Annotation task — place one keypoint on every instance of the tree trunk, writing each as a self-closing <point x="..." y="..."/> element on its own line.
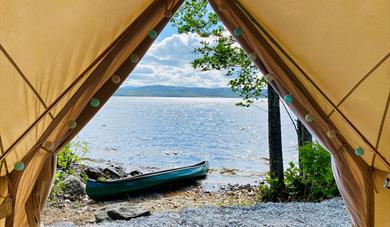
<point x="274" y="135"/>
<point x="304" y="135"/>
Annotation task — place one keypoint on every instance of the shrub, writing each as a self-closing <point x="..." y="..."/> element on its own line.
<point x="68" y="159"/>
<point x="313" y="181"/>
<point x="269" y="189"/>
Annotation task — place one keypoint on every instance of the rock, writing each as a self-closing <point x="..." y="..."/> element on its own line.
<point x="121" y="171"/>
<point x="93" y="173"/>
<point x="73" y="186"/>
<point x="127" y="212"/>
<point x="114" y="172"/>
<point x="101" y="216"/>
<point x="135" y="173"/>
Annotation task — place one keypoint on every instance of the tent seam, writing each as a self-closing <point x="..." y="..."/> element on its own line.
<point x="361" y="81"/>
<point x="25" y="78"/>
<point x="383" y="121"/>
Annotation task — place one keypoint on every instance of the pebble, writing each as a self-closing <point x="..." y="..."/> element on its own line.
<point x="327" y="213"/>
<point x="297" y="214"/>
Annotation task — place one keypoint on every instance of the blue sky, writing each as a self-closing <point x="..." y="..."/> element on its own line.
<point x="168" y="62"/>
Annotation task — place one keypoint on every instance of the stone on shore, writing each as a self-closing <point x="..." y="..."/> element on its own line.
<point x="114" y="172"/>
<point x="93" y="173"/>
<point x="127" y="212"/>
<point x="73" y="186"/>
<point x="101" y="216"/>
<point x="120" y="211"/>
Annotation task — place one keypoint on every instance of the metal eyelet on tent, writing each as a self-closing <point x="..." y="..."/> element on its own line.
<point x="387" y="182"/>
<point x="72" y="124"/>
<point x="95" y="102"/>
<point x="309" y="118"/>
<point x="48" y="145"/>
<point x="134" y="58"/>
<point x="331" y="133"/>
<point x="288" y="99"/>
<point x="116" y="79"/>
<point x="19" y="166"/>
<point x="152" y="34"/>
<point x="237" y="32"/>
<point x="359" y="151"/>
<point x="269" y="77"/>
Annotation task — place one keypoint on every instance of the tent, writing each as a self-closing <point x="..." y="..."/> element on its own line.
<point x="60" y="59"/>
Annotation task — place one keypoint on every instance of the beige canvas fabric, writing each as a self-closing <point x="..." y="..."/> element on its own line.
<point x="344" y="48"/>
<point x="331" y="56"/>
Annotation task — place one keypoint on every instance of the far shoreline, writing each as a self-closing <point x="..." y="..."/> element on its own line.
<point x="211" y="97"/>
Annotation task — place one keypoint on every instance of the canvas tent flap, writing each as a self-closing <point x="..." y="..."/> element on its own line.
<point x="38" y="53"/>
<point x="354" y="44"/>
<point x="337" y="70"/>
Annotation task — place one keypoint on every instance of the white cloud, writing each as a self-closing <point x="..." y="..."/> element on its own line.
<point x="168" y="62"/>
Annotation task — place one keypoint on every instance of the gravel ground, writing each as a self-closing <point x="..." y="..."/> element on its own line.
<point x="330" y="213"/>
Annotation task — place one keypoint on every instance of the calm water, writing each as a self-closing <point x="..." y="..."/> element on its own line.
<point x="157" y="133"/>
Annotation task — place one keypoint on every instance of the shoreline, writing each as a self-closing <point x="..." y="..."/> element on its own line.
<point x="160" y="206"/>
<point x="86" y="211"/>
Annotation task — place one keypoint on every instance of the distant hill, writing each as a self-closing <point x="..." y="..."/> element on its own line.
<point x="170" y="91"/>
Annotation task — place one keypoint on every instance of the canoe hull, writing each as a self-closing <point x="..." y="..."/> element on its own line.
<point x="115" y="189"/>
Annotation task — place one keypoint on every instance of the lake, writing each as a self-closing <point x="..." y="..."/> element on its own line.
<point x="154" y="133"/>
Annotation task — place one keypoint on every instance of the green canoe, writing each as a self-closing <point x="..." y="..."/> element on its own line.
<point x="115" y="189"/>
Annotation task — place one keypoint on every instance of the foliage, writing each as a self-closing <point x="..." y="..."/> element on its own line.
<point x="68" y="158"/>
<point x="317" y="171"/>
<point x="269" y="189"/>
<point x="313" y="181"/>
<point x="218" y="49"/>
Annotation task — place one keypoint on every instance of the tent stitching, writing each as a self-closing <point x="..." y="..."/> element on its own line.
<point x="361" y="81"/>
<point x="59" y="98"/>
<point x="25" y="78"/>
<point x="383" y="120"/>
<point x="350" y="124"/>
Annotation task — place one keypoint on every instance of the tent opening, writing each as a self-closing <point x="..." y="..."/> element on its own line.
<point x="75" y="55"/>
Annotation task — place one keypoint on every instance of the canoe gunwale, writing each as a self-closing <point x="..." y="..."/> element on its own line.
<point x="203" y="163"/>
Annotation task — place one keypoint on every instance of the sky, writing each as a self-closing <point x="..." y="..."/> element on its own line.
<point x="168" y="62"/>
